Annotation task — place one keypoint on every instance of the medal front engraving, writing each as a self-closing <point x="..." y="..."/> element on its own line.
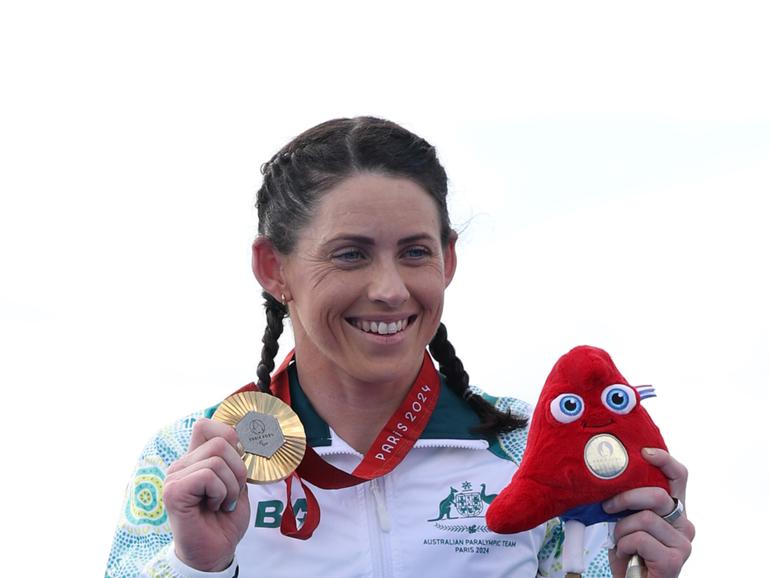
<point x="271" y="434"/>
<point x="605" y="456"/>
<point x="260" y="434"/>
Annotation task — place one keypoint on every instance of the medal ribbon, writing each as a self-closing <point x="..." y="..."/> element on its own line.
<point x="390" y="447"/>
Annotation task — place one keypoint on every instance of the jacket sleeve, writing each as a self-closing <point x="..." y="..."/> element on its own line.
<point x="143" y="534"/>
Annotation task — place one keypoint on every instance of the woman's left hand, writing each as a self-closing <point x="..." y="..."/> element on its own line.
<point x="665" y="547"/>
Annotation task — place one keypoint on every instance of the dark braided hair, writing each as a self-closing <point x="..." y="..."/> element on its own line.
<point x="275" y="312"/>
<point x="492" y="419"/>
<point x="316" y="161"/>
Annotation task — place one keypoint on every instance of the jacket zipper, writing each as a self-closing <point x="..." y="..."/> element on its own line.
<point x="379" y="530"/>
<point x="379" y="500"/>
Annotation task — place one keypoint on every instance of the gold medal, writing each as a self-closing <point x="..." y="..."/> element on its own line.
<point x="271" y="434"/>
<point x="605" y="456"/>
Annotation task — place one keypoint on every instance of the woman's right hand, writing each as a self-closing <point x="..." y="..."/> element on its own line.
<point x="206" y="498"/>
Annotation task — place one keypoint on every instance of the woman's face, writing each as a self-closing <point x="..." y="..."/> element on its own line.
<point x="366" y="279"/>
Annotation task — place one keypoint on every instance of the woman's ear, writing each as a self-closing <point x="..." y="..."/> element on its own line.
<point x="267" y="265"/>
<point x="450" y="259"/>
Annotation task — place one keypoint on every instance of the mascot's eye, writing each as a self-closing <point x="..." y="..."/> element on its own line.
<point x="567" y="407"/>
<point x="619" y="398"/>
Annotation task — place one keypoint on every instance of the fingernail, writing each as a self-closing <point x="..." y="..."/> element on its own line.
<point x="240" y="448"/>
<point x="609" y="506"/>
<point x="650" y="452"/>
<point x="232" y="505"/>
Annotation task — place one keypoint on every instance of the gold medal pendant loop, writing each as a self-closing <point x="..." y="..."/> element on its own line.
<point x="271" y="434"/>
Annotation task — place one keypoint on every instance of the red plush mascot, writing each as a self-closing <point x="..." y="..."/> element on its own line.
<point x="584" y="446"/>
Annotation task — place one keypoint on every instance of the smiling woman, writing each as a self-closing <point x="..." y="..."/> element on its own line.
<point x="355" y="247"/>
<point x="365" y="290"/>
<point x="354" y="230"/>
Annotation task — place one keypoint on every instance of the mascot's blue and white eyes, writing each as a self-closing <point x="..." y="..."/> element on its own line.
<point x="619" y="398"/>
<point x="567" y="407"/>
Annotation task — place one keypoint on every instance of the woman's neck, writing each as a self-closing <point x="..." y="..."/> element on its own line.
<point x="356" y="410"/>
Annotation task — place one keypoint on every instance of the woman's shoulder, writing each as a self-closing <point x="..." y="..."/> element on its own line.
<point x="509" y="445"/>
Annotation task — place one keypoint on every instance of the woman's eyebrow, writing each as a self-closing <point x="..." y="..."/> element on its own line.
<point x="357" y="239"/>
<point x="415" y="238"/>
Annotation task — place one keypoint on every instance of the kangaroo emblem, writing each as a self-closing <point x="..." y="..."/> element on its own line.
<point x="445" y="505"/>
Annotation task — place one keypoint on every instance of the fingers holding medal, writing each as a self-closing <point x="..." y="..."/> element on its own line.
<point x="269" y="431"/>
<point x="214" y="461"/>
<point x="206" y="497"/>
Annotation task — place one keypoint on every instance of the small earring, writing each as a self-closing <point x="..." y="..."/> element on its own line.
<point x="283" y="299"/>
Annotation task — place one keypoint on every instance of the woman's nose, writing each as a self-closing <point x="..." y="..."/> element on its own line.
<point x="388" y="286"/>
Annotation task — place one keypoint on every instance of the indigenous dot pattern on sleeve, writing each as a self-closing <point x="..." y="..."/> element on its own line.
<point x="143" y="530"/>
<point x="513" y="443"/>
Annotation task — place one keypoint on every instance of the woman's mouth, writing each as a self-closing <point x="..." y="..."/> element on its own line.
<point x="381" y="327"/>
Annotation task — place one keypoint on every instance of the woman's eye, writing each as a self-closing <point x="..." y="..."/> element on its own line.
<point x="619" y="398"/>
<point x="567" y="407"/>
<point x="416" y="252"/>
<point x="348" y="255"/>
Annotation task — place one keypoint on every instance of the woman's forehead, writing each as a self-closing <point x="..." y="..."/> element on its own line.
<point x="365" y="203"/>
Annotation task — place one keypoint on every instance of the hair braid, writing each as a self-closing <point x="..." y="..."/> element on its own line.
<point x="275" y="311"/>
<point x="493" y="421"/>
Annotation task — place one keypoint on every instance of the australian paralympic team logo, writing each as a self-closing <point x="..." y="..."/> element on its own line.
<point x="464" y="504"/>
<point x="461" y="514"/>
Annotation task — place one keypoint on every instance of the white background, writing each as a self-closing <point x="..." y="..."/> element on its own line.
<point x="609" y="165"/>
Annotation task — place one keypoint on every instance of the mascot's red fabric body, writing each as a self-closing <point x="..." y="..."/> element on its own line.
<point x="584" y="397"/>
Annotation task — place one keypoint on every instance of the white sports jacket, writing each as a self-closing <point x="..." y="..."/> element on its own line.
<point x="423" y="519"/>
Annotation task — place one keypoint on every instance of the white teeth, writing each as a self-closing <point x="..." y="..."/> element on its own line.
<point x="381" y="327"/>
